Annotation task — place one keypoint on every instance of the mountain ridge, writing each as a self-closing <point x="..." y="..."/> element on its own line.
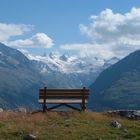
<point x="19" y="82"/>
<point x="117" y="87"/>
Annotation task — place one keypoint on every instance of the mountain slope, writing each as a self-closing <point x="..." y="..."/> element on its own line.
<point x="118" y="87"/>
<point x="19" y="81"/>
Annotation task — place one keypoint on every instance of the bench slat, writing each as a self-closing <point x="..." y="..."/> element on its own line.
<point x="63" y="96"/>
<point x="55" y="90"/>
<point x="63" y="92"/>
<point x="60" y="101"/>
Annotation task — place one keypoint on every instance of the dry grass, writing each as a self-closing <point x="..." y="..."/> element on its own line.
<point x="66" y="126"/>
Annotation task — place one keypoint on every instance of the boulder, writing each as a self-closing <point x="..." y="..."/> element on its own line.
<point x="130" y="114"/>
<point x="116" y="124"/>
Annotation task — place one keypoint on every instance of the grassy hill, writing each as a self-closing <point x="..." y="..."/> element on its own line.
<point x="67" y="126"/>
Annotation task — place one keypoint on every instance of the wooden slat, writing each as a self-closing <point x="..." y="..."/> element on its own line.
<point x="66" y="89"/>
<point x="81" y="94"/>
<point x="64" y="92"/>
<point x="63" y="89"/>
<point x="60" y="101"/>
<point x="63" y="96"/>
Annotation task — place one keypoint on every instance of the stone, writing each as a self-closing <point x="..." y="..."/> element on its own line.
<point x="21" y="109"/>
<point x="9" y="110"/>
<point x="1" y="110"/>
<point x="68" y="122"/>
<point x="116" y="124"/>
<point x="125" y="130"/>
<point x="30" y="137"/>
<point x="130" y="114"/>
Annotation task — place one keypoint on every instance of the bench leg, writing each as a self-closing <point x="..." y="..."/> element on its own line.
<point x="44" y="107"/>
<point x="63" y="104"/>
<point x="54" y="107"/>
<point x="83" y="107"/>
<point x="72" y="107"/>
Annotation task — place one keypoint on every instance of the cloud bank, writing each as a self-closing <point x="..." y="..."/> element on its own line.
<point x="9" y="30"/>
<point x="39" y="40"/>
<point x="111" y="34"/>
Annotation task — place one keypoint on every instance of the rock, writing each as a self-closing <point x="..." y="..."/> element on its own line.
<point x="125" y="130"/>
<point x="116" y="124"/>
<point x="68" y="122"/>
<point x="137" y="115"/>
<point x="130" y="114"/>
<point x="30" y="137"/>
<point x="1" y="110"/>
<point x="9" y="110"/>
<point x="21" y="109"/>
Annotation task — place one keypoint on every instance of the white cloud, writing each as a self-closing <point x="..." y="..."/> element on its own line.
<point x="39" y="40"/>
<point x="111" y="34"/>
<point x="9" y="30"/>
<point x="111" y="27"/>
<point x="90" y="50"/>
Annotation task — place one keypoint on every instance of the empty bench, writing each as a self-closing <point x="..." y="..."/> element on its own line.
<point x="66" y="97"/>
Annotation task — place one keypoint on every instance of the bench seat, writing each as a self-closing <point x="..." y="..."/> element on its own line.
<point x="59" y="101"/>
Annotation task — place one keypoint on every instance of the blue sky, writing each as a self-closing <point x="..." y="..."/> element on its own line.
<point x="60" y="21"/>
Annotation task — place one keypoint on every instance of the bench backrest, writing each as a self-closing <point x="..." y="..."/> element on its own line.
<point x="63" y="93"/>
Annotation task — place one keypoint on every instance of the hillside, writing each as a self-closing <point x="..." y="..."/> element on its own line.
<point x="67" y="126"/>
<point x="19" y="81"/>
<point x="118" y="87"/>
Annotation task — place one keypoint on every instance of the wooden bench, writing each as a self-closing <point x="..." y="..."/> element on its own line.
<point x="64" y="97"/>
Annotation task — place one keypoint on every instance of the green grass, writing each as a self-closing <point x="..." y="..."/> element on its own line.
<point x="66" y="126"/>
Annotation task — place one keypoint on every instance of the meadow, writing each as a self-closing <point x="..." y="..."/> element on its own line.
<point x="69" y="125"/>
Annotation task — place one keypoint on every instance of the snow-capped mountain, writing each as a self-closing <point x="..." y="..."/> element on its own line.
<point x="70" y="64"/>
<point x="79" y="71"/>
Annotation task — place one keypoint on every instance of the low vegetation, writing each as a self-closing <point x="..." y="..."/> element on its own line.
<point x="69" y="125"/>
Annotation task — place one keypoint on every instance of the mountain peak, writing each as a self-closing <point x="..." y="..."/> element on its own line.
<point x="64" y="57"/>
<point x="54" y="55"/>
